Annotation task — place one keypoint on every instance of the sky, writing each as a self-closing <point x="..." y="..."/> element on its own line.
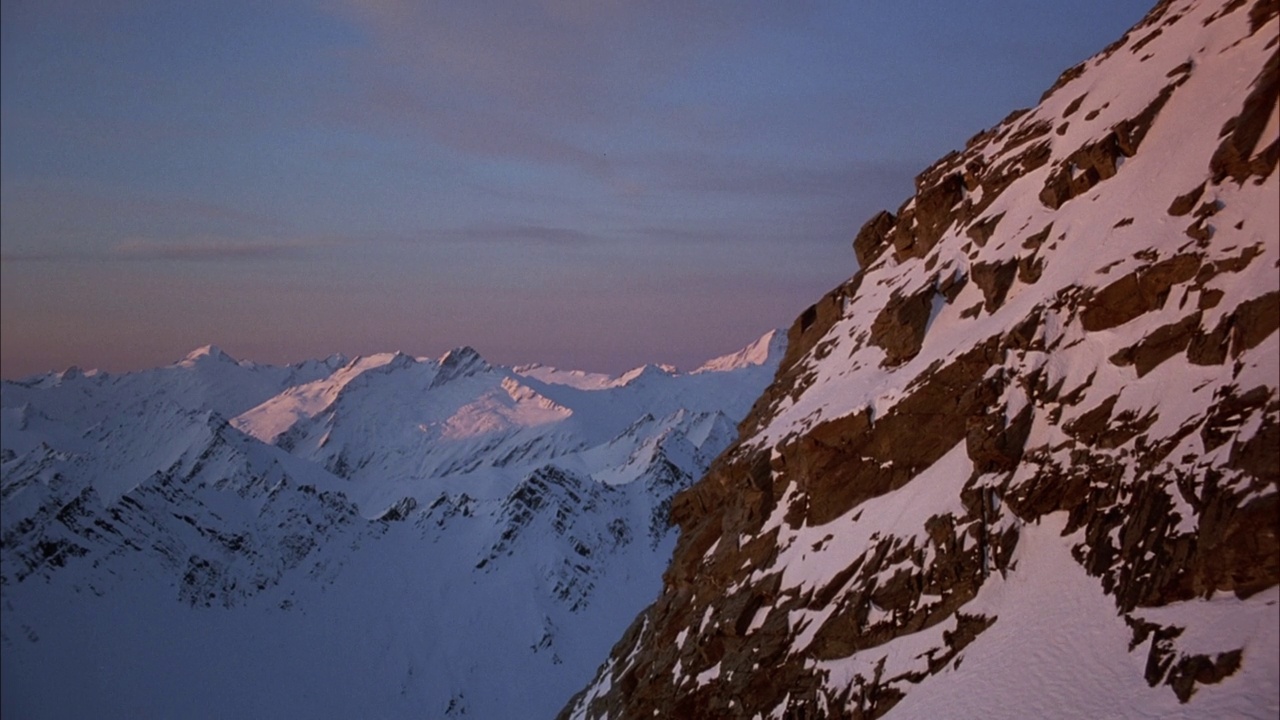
<point x="591" y="185"/>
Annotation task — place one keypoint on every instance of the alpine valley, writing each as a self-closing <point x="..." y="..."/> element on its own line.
<point x="1025" y="463"/>
<point x="382" y="537"/>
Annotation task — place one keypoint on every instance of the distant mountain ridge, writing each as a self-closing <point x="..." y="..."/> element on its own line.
<point x="1023" y="463"/>
<point x="381" y="536"/>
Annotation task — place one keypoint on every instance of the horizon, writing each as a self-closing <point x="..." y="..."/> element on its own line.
<point x="213" y="348"/>
<point x="593" y="187"/>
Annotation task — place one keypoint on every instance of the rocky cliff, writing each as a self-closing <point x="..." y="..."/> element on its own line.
<point x="1024" y="463"/>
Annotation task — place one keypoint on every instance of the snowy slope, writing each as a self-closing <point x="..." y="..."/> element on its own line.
<point x="382" y="537"/>
<point x="1023" y="463"/>
<point x="387" y="423"/>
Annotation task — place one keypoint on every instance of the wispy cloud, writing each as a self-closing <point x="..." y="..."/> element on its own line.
<point x="7" y="258"/>
<point x="710" y="173"/>
<point x="519" y="233"/>
<point x="90" y="205"/>
<point x="208" y="249"/>
<point x="185" y="249"/>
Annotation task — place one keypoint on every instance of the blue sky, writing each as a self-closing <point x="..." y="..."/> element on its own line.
<point x="585" y="184"/>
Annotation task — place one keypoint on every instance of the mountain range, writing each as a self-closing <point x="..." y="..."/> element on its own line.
<point x="385" y="536"/>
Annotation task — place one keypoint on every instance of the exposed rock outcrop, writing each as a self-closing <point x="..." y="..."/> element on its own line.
<point x="1095" y="415"/>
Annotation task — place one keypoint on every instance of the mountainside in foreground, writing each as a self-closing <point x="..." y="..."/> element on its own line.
<point x="382" y="537"/>
<point x="1024" y="463"/>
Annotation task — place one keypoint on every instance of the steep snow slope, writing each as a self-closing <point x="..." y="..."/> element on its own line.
<point x="1024" y="462"/>
<point x="385" y="537"/>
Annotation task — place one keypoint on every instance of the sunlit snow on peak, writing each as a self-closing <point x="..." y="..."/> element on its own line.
<point x="205" y="353"/>
<point x="768" y="348"/>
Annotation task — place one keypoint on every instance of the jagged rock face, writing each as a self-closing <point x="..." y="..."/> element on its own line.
<point x="1031" y="446"/>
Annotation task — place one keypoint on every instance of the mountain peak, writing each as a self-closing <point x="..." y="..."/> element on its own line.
<point x="764" y="349"/>
<point x="645" y="371"/>
<point x="72" y="373"/>
<point x="400" y="360"/>
<point x="460" y="362"/>
<point x="462" y="355"/>
<point x="206" y="353"/>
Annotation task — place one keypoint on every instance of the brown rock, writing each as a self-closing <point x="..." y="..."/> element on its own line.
<point x="1262" y="12"/>
<point x="1090" y="425"/>
<point x="1030" y="268"/>
<point x="1242" y="133"/>
<point x="1033" y="242"/>
<point x="1130" y="132"/>
<point x="873" y="239"/>
<point x="981" y="230"/>
<point x="1183" y="204"/>
<point x="1094" y="162"/>
<point x="1210" y="348"/>
<point x="1161" y="344"/>
<point x="1255" y="320"/>
<point x="1257" y="456"/>
<point x="994" y="279"/>
<point x="900" y="327"/>
<point x="932" y="214"/>
<point x="1073" y="106"/>
<point x="1200" y="231"/>
<point x="1242" y="329"/>
<point x="1209" y="299"/>
<point x="951" y="286"/>
<point x="1067" y="76"/>
<point x="993" y="444"/>
<point x="1194" y="669"/>
<point x="1137" y="293"/>
<point x="839" y="475"/>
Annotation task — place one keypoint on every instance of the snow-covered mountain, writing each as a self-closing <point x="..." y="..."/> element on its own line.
<point x="1025" y="463"/>
<point x="382" y="537"/>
